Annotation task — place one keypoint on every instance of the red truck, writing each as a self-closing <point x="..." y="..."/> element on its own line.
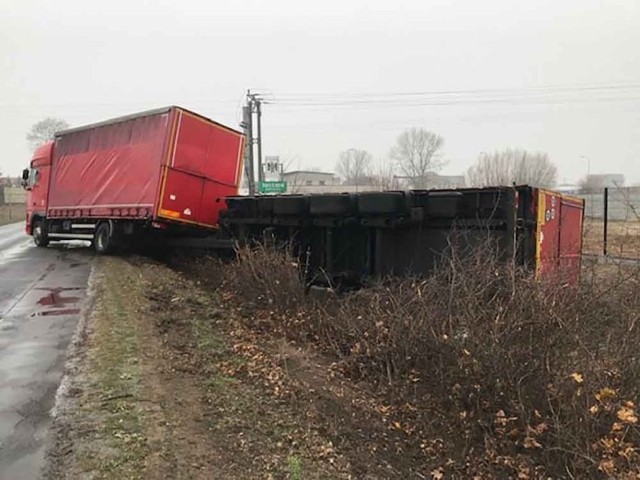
<point x="160" y="171"/>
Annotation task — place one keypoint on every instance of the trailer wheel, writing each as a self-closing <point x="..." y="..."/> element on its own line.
<point x="103" y="239"/>
<point x="40" y="234"/>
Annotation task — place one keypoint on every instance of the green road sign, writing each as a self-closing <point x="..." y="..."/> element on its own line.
<point x="272" y="187"/>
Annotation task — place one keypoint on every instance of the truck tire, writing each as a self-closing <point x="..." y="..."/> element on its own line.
<point x="103" y="239"/>
<point x="40" y="233"/>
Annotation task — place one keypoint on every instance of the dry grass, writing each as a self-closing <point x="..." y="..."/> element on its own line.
<point x="623" y="238"/>
<point x="489" y="372"/>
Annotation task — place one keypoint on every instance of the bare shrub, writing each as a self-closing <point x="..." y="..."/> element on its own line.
<point x="513" y="376"/>
<point x="267" y="277"/>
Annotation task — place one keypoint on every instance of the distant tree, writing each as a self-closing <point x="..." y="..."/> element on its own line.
<point x="44" y="131"/>
<point x="354" y="166"/>
<point x="417" y="154"/>
<point x="383" y="175"/>
<point x="597" y="183"/>
<point x="291" y="161"/>
<point x="511" y="166"/>
<point x="590" y="184"/>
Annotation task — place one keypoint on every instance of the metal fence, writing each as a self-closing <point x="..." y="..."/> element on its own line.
<point x="623" y="204"/>
<point x="612" y="226"/>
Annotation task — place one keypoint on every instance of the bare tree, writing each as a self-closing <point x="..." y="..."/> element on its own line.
<point x="383" y="175"/>
<point x="354" y="166"/>
<point x="597" y="183"/>
<point x="512" y="166"/>
<point x="44" y="131"/>
<point x="417" y="155"/>
<point x="291" y="161"/>
<point x="590" y="184"/>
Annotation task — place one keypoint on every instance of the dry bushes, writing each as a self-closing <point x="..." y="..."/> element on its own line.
<point x="505" y="375"/>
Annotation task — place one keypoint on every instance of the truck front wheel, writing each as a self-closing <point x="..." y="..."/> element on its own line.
<point x="40" y="235"/>
<point x="103" y="239"/>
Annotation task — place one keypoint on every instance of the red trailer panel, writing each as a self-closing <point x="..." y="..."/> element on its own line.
<point x="168" y="164"/>
<point x="194" y="178"/>
<point x="570" y="252"/>
<point x="100" y="171"/>
<point x="558" y="235"/>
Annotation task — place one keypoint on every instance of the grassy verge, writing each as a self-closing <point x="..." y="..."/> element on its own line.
<point x="249" y="431"/>
<point x="117" y="382"/>
<point x="169" y="384"/>
<point x="102" y="428"/>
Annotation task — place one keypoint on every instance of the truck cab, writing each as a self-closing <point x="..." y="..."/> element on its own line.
<point x="35" y="180"/>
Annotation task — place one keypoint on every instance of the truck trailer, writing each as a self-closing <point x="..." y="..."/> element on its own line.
<point x="345" y="239"/>
<point x="157" y="173"/>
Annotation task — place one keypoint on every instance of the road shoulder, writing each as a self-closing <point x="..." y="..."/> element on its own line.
<point x="160" y="384"/>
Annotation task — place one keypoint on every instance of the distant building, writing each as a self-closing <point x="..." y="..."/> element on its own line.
<point x="308" y="178"/>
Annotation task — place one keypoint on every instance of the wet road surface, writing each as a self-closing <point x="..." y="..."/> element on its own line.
<point x="42" y="293"/>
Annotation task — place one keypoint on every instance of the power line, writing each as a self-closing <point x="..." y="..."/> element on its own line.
<point x="453" y="102"/>
<point x="541" y="94"/>
<point x="513" y="90"/>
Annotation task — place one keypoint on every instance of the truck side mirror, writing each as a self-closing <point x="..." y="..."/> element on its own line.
<point x="25" y="179"/>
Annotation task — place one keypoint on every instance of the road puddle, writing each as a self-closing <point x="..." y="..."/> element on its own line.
<point x="56" y="303"/>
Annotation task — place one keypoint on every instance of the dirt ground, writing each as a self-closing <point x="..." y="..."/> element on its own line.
<point x="623" y="238"/>
<point x="165" y="382"/>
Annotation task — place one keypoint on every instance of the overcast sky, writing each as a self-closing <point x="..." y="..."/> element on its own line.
<point x="561" y="77"/>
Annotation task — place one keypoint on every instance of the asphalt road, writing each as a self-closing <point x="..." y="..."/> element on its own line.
<point x="42" y="293"/>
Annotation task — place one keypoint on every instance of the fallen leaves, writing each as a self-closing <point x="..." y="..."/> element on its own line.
<point x="501" y="418"/>
<point x="577" y="377"/>
<point x="607" y="466"/>
<point x="438" y="473"/>
<point x="605" y="393"/>
<point x="627" y="414"/>
<point x="530" y="442"/>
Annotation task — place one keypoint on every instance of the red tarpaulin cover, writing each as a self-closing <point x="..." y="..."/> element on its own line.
<point x="125" y="167"/>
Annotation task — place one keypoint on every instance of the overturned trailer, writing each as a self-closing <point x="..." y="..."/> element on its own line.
<point x="353" y="236"/>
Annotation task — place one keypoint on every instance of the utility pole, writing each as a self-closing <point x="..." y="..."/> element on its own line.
<point x="259" y="115"/>
<point x="247" y="127"/>
<point x="253" y="106"/>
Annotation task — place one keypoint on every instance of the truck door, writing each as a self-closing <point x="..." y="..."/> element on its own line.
<point x="38" y="183"/>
